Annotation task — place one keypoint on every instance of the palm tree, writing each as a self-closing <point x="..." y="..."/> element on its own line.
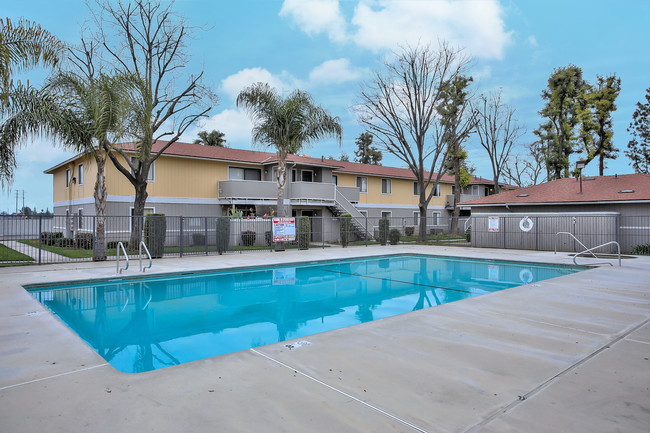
<point x="24" y="45"/>
<point x="288" y="124"/>
<point x="213" y="138"/>
<point x="85" y="114"/>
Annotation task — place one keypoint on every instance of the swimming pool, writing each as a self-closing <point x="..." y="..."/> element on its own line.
<point x="143" y="324"/>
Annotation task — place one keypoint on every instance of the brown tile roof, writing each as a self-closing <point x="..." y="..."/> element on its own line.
<point x="626" y="187"/>
<point x="191" y="150"/>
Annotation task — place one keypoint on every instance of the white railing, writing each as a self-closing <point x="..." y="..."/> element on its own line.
<point x="143" y="245"/>
<point x="590" y="250"/>
<point x="119" y="270"/>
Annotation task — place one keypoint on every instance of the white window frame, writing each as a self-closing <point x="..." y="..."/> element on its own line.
<point x="435" y="218"/>
<point x="80" y="174"/>
<point x="389" y="186"/>
<point x="361" y="189"/>
<point x="437" y="191"/>
<point x="387" y="212"/>
<point x="68" y="177"/>
<point x="416" y="218"/>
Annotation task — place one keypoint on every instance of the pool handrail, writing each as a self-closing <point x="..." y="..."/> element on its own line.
<point x="142" y="244"/>
<point x="119" y="270"/>
<point x="589" y="250"/>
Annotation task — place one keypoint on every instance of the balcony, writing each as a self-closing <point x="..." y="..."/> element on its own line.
<point x="298" y="192"/>
<point x="463" y="197"/>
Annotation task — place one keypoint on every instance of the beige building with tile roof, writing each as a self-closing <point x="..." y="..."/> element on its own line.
<point x="192" y="180"/>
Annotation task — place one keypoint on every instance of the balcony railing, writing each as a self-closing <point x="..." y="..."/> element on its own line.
<point x="296" y="191"/>
<point x="463" y="197"/>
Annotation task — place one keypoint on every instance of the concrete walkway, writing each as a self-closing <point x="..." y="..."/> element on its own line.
<point x="571" y="354"/>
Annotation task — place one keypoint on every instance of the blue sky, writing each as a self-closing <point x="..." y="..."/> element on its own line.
<point x="330" y="47"/>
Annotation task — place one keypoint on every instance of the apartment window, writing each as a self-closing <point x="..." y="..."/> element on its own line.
<point x="243" y="173"/>
<point x="416" y="188"/>
<point x="294" y="175"/>
<point x="437" y="192"/>
<point x="362" y="184"/>
<point x="335" y="179"/>
<point x="386" y="186"/>
<point x="416" y="218"/>
<point x="307" y="175"/>
<point x="67" y="177"/>
<point x="80" y="175"/>
<point x="152" y="169"/>
<point x="435" y="216"/>
<point x="386" y="214"/>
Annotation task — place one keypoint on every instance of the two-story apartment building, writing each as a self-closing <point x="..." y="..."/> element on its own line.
<point x="192" y="180"/>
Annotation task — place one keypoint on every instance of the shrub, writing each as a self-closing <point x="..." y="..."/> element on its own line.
<point x="468" y="236"/>
<point x="111" y="245"/>
<point x="384" y="228"/>
<point x="641" y="250"/>
<point x="344" y="224"/>
<point x="223" y="234"/>
<point x="198" y="239"/>
<point x="49" y="238"/>
<point x="64" y="242"/>
<point x="248" y="238"/>
<point x="268" y="237"/>
<point x="304" y="232"/>
<point x="85" y="240"/>
<point x="394" y="236"/>
<point x="409" y="230"/>
<point x="155" y="230"/>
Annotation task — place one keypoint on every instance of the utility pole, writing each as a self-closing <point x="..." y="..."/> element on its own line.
<point x="17" y="191"/>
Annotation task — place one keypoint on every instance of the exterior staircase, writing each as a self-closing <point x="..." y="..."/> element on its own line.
<point x="358" y="221"/>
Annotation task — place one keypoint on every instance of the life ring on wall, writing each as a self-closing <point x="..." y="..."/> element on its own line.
<point x="526" y="276"/>
<point x="526" y="224"/>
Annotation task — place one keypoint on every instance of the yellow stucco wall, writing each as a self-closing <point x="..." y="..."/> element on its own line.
<point x="197" y="178"/>
<point x="402" y="191"/>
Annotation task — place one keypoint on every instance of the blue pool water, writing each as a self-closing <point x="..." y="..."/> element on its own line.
<point x="150" y="323"/>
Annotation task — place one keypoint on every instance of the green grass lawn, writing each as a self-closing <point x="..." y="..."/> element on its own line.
<point x="7" y="254"/>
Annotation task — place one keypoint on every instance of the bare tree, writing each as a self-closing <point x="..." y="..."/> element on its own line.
<point x="498" y="130"/>
<point x="400" y="107"/>
<point x="147" y="40"/>
<point x="526" y="170"/>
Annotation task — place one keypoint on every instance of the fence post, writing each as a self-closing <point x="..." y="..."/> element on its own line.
<point x="205" y="224"/>
<point x="181" y="236"/>
<point x="40" y="237"/>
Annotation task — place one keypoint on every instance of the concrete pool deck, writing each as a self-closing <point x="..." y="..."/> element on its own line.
<point x="571" y="354"/>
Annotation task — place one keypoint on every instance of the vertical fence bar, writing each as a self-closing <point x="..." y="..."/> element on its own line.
<point x="205" y="239"/>
<point x="181" y="220"/>
<point x="40" y="230"/>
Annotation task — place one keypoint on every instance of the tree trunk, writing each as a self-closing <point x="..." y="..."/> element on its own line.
<point x="137" y="220"/>
<point x="422" y="232"/>
<point x="601" y="165"/>
<point x="99" y="245"/>
<point x="456" y="213"/>
<point x="282" y="179"/>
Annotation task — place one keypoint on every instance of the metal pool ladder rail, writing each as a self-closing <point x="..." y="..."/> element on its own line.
<point x="119" y="270"/>
<point x="143" y="245"/>
<point x="590" y="250"/>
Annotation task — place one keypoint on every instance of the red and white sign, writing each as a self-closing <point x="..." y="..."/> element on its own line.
<point x="284" y="229"/>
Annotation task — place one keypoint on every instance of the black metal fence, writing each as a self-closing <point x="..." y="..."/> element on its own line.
<point x="65" y="239"/>
<point x="75" y="238"/>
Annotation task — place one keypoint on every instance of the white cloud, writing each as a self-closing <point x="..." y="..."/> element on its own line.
<point x="532" y="41"/>
<point x="235" y="124"/>
<point x="316" y="16"/>
<point x="335" y="71"/>
<point x="233" y="84"/>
